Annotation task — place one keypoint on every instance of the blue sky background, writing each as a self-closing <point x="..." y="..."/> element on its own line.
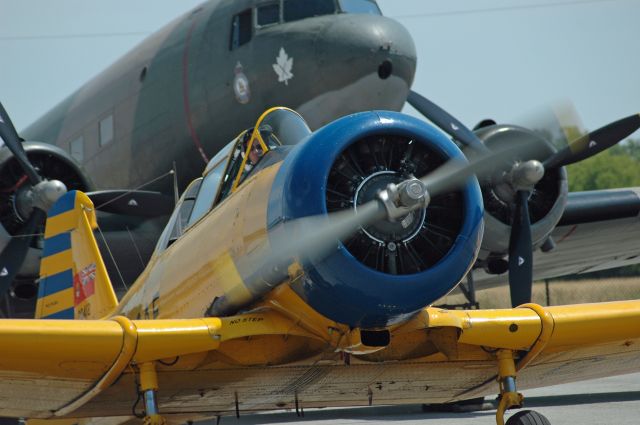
<point x="477" y="58"/>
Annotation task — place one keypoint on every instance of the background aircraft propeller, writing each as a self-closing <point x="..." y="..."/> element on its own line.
<point x="445" y="121"/>
<point x="523" y="177"/>
<point x="594" y="142"/>
<point x="42" y="194"/>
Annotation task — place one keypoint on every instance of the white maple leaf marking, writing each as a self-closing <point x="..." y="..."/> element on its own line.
<point x="283" y="67"/>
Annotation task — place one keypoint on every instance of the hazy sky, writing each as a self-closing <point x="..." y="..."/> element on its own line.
<point x="476" y="58"/>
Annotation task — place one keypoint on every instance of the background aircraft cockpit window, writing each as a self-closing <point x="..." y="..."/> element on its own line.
<point x="360" y="6"/>
<point x="294" y="10"/>
<point x="240" y="29"/>
<point x="268" y="14"/>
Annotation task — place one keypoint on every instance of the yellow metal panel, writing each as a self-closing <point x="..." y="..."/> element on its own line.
<point x="597" y="323"/>
<point x="56" y="263"/>
<point x="256" y="324"/>
<point x="161" y="339"/>
<point x="516" y="328"/>
<point x="230" y="281"/>
<point x="55" y="303"/>
<point x="60" y="223"/>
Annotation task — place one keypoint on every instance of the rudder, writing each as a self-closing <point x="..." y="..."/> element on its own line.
<point x="74" y="283"/>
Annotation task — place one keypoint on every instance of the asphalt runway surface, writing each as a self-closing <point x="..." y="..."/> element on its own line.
<point x="608" y="401"/>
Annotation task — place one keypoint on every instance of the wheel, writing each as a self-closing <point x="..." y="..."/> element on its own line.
<point x="528" y="417"/>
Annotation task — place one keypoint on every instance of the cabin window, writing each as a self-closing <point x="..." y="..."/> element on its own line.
<point x="360" y="6"/>
<point x="106" y="130"/>
<point x="76" y="149"/>
<point x="240" y="29"/>
<point x="268" y="14"/>
<point x="294" y="10"/>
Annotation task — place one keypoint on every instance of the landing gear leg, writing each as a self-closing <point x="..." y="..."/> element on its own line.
<point x="149" y="389"/>
<point x="509" y="397"/>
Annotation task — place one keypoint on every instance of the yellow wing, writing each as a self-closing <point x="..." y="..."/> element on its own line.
<point x="273" y="359"/>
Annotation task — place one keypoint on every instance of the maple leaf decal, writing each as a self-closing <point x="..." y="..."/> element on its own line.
<point x="283" y="67"/>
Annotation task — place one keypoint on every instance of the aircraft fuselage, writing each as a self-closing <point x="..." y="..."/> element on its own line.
<point x="191" y="87"/>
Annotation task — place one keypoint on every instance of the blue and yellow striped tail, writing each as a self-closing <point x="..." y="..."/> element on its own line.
<point x="73" y="280"/>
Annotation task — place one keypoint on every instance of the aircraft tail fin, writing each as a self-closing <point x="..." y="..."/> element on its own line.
<point x="74" y="283"/>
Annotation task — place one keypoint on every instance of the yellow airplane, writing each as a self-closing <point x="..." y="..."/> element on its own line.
<point x="251" y="303"/>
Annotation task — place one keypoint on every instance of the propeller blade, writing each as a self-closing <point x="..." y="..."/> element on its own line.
<point x="141" y="203"/>
<point x="520" y="252"/>
<point x="454" y="173"/>
<point x="15" y="252"/>
<point x="559" y="123"/>
<point x="445" y="121"/>
<point x="10" y="136"/>
<point x="594" y="142"/>
<point x="303" y="238"/>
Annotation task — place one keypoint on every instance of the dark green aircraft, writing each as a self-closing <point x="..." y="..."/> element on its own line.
<point x="183" y="93"/>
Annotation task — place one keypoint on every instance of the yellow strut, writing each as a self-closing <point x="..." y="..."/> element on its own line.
<point x="149" y="388"/>
<point x="509" y="397"/>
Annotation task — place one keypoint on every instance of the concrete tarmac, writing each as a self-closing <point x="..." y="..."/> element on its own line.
<point x="608" y="401"/>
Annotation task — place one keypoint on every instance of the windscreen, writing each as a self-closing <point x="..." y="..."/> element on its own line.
<point x="294" y="10"/>
<point x="285" y="125"/>
<point x="360" y="6"/>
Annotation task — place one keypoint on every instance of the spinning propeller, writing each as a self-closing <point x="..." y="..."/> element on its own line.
<point x="312" y="238"/>
<point x="316" y="236"/>
<point x="35" y="200"/>
<point x="522" y="178"/>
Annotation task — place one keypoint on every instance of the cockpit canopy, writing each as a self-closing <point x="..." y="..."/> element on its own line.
<point x="228" y="169"/>
<point x="273" y="12"/>
<point x="277" y="11"/>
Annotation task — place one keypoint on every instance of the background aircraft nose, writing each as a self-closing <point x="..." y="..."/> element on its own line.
<point x="363" y="62"/>
<point x="367" y="44"/>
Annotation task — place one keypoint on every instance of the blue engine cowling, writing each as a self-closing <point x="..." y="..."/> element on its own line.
<point x="387" y="271"/>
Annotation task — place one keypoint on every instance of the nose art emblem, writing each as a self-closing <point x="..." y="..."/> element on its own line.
<point x="283" y="67"/>
<point x="241" y="85"/>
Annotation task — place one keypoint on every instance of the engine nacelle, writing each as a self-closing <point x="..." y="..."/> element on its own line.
<point x="546" y="204"/>
<point x="51" y="162"/>
<point x="389" y="270"/>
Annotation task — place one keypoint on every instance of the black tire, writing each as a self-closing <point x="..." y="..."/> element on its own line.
<point x="528" y="417"/>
